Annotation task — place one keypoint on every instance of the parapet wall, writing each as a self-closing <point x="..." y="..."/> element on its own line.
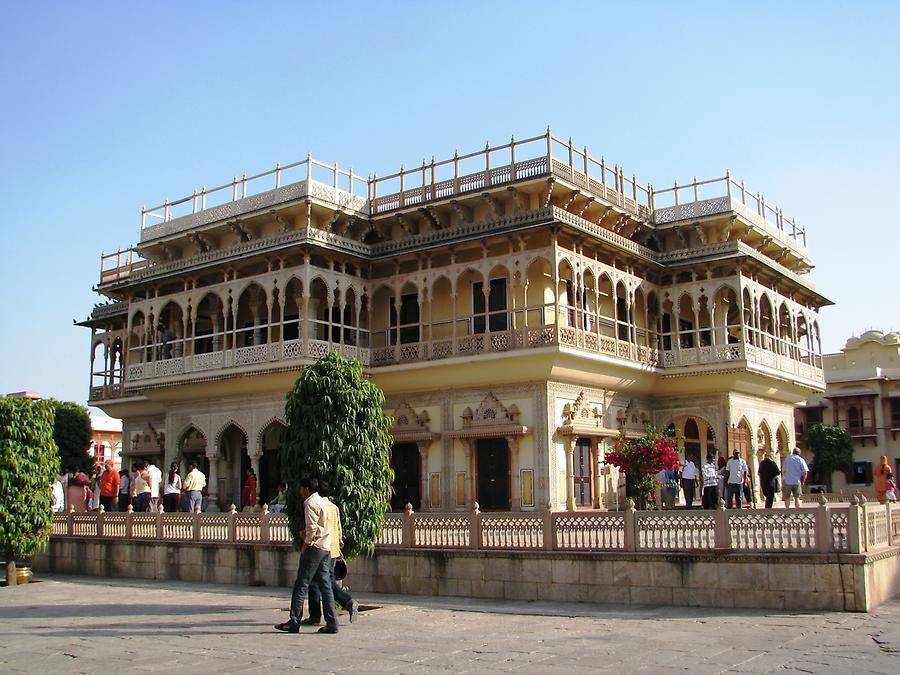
<point x="793" y="581"/>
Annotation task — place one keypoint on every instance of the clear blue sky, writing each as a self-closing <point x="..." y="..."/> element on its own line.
<point x="108" y="106"/>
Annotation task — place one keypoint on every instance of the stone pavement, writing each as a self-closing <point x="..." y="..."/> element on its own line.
<point x="90" y="625"/>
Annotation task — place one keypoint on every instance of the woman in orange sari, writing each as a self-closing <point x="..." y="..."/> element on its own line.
<point x="248" y="496"/>
<point x="882" y="471"/>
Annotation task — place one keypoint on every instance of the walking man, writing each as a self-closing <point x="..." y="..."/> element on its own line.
<point x="341" y="597"/>
<point x="736" y="471"/>
<point x="689" y="482"/>
<point x="795" y="472"/>
<point x="710" y="474"/>
<point x="154" y="479"/>
<point x="193" y="486"/>
<point x="315" y="561"/>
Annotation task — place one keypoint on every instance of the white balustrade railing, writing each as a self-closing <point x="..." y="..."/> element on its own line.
<point x="824" y="528"/>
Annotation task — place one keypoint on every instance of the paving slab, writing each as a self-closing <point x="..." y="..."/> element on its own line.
<point x="78" y="624"/>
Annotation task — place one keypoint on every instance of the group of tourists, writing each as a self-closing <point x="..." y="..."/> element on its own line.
<point x="139" y="488"/>
<point x="730" y="480"/>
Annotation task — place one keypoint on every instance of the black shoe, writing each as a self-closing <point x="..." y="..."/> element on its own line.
<point x="353" y="611"/>
<point x="310" y="622"/>
<point x="328" y="629"/>
<point x="287" y="627"/>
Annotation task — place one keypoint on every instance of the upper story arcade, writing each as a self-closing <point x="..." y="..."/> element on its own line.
<point x="531" y="245"/>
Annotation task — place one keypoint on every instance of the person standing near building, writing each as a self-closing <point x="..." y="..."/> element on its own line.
<point x="736" y="472"/>
<point x="154" y="478"/>
<point x="710" y="474"/>
<point x="124" y="489"/>
<point x="689" y="481"/>
<point x="768" y="478"/>
<point x="141" y="489"/>
<point x="341" y="597"/>
<point x="882" y="471"/>
<point x="109" y="487"/>
<point x="193" y="486"/>
<point x="795" y="472"/>
<point x="172" y="489"/>
<point x="315" y="561"/>
<point x="248" y="494"/>
<point x="57" y="496"/>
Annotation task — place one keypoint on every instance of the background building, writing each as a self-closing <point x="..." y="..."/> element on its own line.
<point x="106" y="440"/>
<point x="520" y="306"/>
<point x="863" y="396"/>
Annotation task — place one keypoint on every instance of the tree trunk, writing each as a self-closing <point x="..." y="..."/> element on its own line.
<point x="10" y="569"/>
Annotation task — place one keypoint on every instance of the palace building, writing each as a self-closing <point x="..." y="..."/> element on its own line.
<point x="520" y="306"/>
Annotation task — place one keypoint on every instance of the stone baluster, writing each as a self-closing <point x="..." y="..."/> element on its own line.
<point x="232" y="510"/>
<point x="475" y="531"/>
<point x="549" y="528"/>
<point x="855" y="527"/>
<point x="408" y="531"/>
<point x="630" y="534"/>
<point x="824" y="535"/>
<point x="264" y="536"/>
<point x="723" y="527"/>
<point x="213" y="481"/>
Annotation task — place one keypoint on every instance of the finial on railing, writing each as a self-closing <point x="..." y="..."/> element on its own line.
<point x="408" y="509"/>
<point x="512" y="139"/>
<point x="853" y="500"/>
<point x="232" y="509"/>
<point x="822" y="499"/>
<point x="629" y="505"/>
<point x="130" y="509"/>
<point x="265" y="508"/>
<point x="160" y="508"/>
<point x="197" y="508"/>
<point x="862" y="498"/>
<point x="102" y="509"/>
<point x="721" y="505"/>
<point x="71" y="508"/>
<point x="476" y="507"/>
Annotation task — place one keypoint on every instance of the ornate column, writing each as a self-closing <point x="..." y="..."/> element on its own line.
<point x="423" y="475"/>
<point x="470" y="464"/>
<point x="570" y="472"/>
<point x="515" y="500"/>
<point x="599" y="458"/>
<point x="303" y="309"/>
<point x="212" y="481"/>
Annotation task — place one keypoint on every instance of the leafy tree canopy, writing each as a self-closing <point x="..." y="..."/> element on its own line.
<point x="72" y="433"/>
<point x="832" y="448"/>
<point x="28" y="466"/>
<point x="337" y="431"/>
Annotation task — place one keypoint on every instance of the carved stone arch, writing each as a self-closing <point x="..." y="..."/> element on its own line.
<point x="762" y="441"/>
<point x="433" y="282"/>
<point x="476" y="271"/>
<point x="231" y="422"/>
<point x="264" y="427"/>
<point x="184" y="431"/>
<point x="491" y="411"/>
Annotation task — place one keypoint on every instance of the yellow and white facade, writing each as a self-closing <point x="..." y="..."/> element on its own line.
<point x="520" y="306"/>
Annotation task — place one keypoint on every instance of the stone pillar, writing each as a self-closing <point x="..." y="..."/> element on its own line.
<point x="423" y="474"/>
<point x="212" y="481"/>
<point x="515" y="497"/>
<point x="599" y="457"/>
<point x="570" y="472"/>
<point x="470" y="464"/>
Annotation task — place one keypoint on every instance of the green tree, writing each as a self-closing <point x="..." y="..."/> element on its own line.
<point x="28" y="465"/>
<point x="72" y="433"/>
<point x="337" y="431"/>
<point x="832" y="449"/>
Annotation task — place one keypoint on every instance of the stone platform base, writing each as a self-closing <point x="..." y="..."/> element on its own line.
<point x="843" y="582"/>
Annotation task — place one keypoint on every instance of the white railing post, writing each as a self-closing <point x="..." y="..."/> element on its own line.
<point x="234" y="182"/>
<point x="100" y="521"/>
<point x="194" y="202"/>
<point x="195" y="523"/>
<point x="728" y="185"/>
<point x="855" y="526"/>
<point x="475" y="533"/>
<point x="723" y="527"/>
<point x="70" y="521"/>
<point x="243" y="185"/>
<point x="512" y="157"/>
<point x="202" y="199"/>
<point x="159" y="521"/>
<point x="264" y="525"/>
<point x="129" y="522"/>
<point x="407" y="531"/>
<point x="549" y="529"/>
<point x="402" y="185"/>
<point x="277" y="175"/>
<point x="824" y="535"/>
<point x="487" y="164"/>
<point x="631" y="535"/>
<point x="231" y="533"/>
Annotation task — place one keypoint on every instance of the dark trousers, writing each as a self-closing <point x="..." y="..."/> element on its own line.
<point x="124" y="501"/>
<point x="735" y="492"/>
<point x="170" y="502"/>
<point x="711" y="497"/>
<point x="141" y="502"/>
<point x="341" y="597"/>
<point x="108" y="503"/>
<point x="689" y="486"/>
<point x="770" y="497"/>
<point x="315" y="567"/>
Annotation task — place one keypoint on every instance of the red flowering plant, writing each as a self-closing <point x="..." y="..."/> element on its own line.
<point x="640" y="459"/>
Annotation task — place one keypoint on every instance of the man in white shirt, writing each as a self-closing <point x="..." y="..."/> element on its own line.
<point x="315" y="561"/>
<point x="689" y="482"/>
<point x="736" y="471"/>
<point x="57" y="496"/>
<point x="155" y="478"/>
<point x="794" y="474"/>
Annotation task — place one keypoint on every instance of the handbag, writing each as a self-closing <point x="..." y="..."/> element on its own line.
<point x="340" y="569"/>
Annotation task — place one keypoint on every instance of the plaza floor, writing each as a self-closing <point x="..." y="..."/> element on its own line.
<point x="90" y="625"/>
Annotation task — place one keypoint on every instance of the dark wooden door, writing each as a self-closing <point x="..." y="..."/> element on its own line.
<point x="582" y="470"/>
<point x="407" y="474"/>
<point x="493" y="474"/>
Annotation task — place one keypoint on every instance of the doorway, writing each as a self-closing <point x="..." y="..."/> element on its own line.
<point x="582" y="468"/>
<point x="406" y="464"/>
<point x="493" y="474"/>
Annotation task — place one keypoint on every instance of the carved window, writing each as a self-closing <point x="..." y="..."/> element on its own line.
<point x="405" y="324"/>
<point x="496" y="310"/>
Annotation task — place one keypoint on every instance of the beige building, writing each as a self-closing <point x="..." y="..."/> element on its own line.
<point x="520" y="305"/>
<point x="863" y="396"/>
